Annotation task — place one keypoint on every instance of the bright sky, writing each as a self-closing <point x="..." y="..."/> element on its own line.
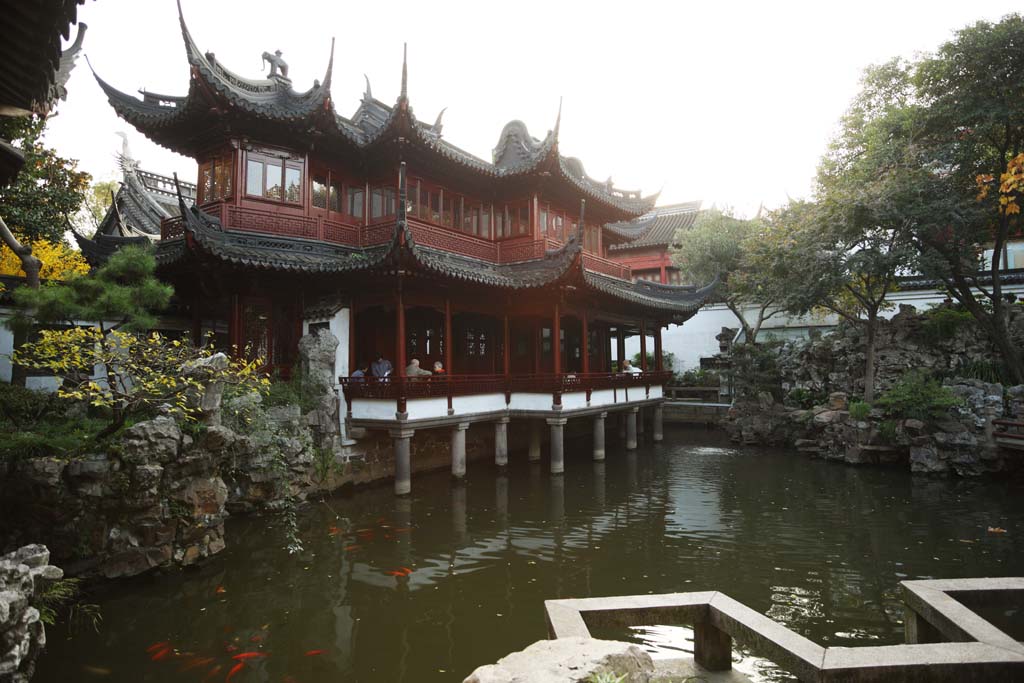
<point x="731" y="103"/>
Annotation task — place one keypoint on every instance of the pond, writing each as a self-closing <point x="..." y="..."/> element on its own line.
<point x="429" y="587"/>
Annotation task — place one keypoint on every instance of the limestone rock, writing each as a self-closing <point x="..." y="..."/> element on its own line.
<point x="153" y="440"/>
<point x="317" y="353"/>
<point x="568" y="660"/>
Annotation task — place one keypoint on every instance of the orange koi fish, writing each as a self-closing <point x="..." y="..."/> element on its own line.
<point x="235" y="669"/>
<point x="333" y="531"/>
<point x="255" y="639"/>
<point x="354" y="546"/>
<point x="406" y="570"/>
<point x="158" y="646"/>
<point x="220" y="590"/>
<point x="396" y="573"/>
<point x="162" y="654"/>
<point x="314" y="653"/>
<point x="228" y="647"/>
<point x="249" y="655"/>
<point x="402" y="529"/>
<point x="213" y="672"/>
<point x="196" y="663"/>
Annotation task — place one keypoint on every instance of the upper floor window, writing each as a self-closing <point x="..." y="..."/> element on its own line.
<point x="356" y="201"/>
<point x="215" y="176"/>
<point x="382" y="202"/>
<point x="272" y="177"/>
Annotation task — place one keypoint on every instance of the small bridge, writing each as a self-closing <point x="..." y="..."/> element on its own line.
<point x="946" y="639"/>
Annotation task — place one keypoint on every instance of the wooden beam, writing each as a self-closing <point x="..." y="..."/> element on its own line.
<point x="449" y="341"/>
<point x="643" y="346"/>
<point x="658" y="364"/>
<point x="585" y="344"/>
<point x="400" y="361"/>
<point x="556" y="339"/>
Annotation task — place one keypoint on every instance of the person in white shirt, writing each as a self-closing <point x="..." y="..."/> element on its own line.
<point x="629" y="368"/>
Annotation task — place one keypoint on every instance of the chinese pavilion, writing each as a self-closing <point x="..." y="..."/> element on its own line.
<point x="402" y="244"/>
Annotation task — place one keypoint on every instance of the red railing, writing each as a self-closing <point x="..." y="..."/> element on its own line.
<point x="319" y="228"/>
<point x="599" y="264"/>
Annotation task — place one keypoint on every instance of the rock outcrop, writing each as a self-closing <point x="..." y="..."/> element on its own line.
<point x="24" y="574"/>
<point x="818" y="378"/>
<point x="569" y="660"/>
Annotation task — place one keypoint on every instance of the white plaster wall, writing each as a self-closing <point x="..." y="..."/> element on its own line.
<point x="481" y="403"/>
<point x="527" y="401"/>
<point x="656" y="391"/>
<point x="574" y="400"/>
<point x="602" y="397"/>
<point x="373" y="408"/>
<point x="423" y="408"/>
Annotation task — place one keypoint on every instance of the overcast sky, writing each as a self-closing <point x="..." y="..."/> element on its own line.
<point x="731" y="103"/>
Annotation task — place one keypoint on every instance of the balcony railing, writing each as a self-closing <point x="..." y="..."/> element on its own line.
<point x="516" y="392"/>
<point x="318" y="228"/>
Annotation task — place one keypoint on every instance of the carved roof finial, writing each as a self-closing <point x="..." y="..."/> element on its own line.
<point x="368" y="95"/>
<point x="405" y="72"/>
<point x="558" y="119"/>
<point x="330" y="67"/>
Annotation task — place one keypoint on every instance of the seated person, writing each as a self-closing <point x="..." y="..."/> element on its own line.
<point x="439" y="368"/>
<point x="362" y="370"/>
<point x="414" y="369"/>
<point x="381" y="367"/>
<point x="629" y="368"/>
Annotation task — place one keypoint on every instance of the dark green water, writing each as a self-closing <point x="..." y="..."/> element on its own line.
<point x="820" y="547"/>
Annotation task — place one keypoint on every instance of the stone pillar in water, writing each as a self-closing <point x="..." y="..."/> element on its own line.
<point x="640" y="424"/>
<point x="659" y="422"/>
<point x="534" y="441"/>
<point x="599" y="436"/>
<point x="459" y="450"/>
<point x="401" y="438"/>
<point x="557" y="444"/>
<point x="631" y="429"/>
<point x="501" y="442"/>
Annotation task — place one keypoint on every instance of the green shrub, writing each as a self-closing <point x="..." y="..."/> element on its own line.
<point x="887" y="430"/>
<point x="917" y="396"/>
<point x="299" y="391"/>
<point x="992" y="372"/>
<point x="944" y="322"/>
<point x="37" y="424"/>
<point x="700" y="378"/>
<point x="798" y="397"/>
<point x="755" y="369"/>
<point x="859" y="410"/>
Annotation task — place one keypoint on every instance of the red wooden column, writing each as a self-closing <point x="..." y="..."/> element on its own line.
<point x="621" y="350"/>
<point x="643" y="346"/>
<point x="658" y="364"/>
<point x="585" y="344"/>
<point x="400" y="361"/>
<point x="556" y="340"/>
<point x="352" y="358"/>
<point x="506" y="367"/>
<point x="449" y="342"/>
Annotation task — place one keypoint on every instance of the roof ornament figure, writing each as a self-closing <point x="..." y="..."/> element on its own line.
<point x="276" y="64"/>
<point x="436" y="128"/>
<point x="125" y="158"/>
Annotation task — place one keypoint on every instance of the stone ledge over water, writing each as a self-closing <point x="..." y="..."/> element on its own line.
<point x="568" y="660"/>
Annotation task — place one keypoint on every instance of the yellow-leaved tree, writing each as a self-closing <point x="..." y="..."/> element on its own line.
<point x="58" y="260"/>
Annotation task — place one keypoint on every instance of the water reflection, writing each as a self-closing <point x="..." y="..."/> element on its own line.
<point x="818" y="546"/>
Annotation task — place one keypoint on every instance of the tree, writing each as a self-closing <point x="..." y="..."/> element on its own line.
<point x="57" y="260"/>
<point x="143" y="371"/>
<point x="927" y="141"/>
<point x="48" y="190"/>
<point x="833" y="255"/>
<point x="97" y="200"/>
<point x="716" y="247"/>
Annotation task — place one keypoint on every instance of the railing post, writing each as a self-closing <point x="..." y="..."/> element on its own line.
<point x="712" y="647"/>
